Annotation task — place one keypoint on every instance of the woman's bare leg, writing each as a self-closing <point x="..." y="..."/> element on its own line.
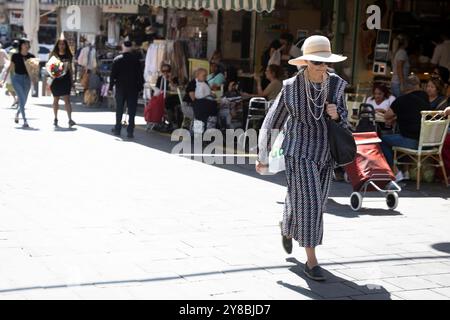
<point x="55" y="106"/>
<point x="312" y="259"/>
<point x="68" y="107"/>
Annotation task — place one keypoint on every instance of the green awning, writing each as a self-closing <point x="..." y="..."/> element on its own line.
<point x="248" y="5"/>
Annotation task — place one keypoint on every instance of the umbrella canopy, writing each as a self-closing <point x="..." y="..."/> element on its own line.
<point x="31" y="18"/>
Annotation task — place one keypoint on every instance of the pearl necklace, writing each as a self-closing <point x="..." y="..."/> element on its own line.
<point x="322" y="95"/>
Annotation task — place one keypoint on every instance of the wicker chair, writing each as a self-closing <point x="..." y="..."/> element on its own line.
<point x="433" y="131"/>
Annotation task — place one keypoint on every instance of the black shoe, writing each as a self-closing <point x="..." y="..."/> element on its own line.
<point x="287" y="242"/>
<point x="130" y="135"/>
<point x="55" y="122"/>
<point x="315" y="273"/>
<point x="115" y="131"/>
<point x="71" y="123"/>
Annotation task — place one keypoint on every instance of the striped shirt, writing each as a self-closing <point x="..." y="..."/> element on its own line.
<point x="305" y="137"/>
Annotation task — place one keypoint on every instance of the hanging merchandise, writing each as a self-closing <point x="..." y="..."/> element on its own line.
<point x="113" y="31"/>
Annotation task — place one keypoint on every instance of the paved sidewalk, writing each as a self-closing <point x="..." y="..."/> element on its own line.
<point x="86" y="215"/>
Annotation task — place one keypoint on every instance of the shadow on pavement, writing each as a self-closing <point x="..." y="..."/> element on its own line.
<point x="346" y="211"/>
<point x="443" y="247"/>
<point x="350" y="288"/>
<point x="334" y="287"/>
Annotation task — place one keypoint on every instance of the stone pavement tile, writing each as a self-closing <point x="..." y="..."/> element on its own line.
<point x="332" y="290"/>
<point x="102" y="293"/>
<point x="349" y="252"/>
<point x="375" y="286"/>
<point x="12" y="296"/>
<point x="411" y="283"/>
<point x="420" y="295"/>
<point x="376" y="296"/>
<point x="427" y="256"/>
<point x="440" y="279"/>
<point x="366" y="273"/>
<point x="371" y="261"/>
<point x="417" y="269"/>
<point x="443" y="291"/>
<point x="51" y="294"/>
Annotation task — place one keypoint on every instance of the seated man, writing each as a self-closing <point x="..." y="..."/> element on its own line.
<point x="406" y="111"/>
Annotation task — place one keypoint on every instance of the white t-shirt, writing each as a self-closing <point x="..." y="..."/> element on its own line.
<point x="3" y="57"/>
<point x="401" y="55"/>
<point x="383" y="105"/>
<point x="202" y="90"/>
<point x="441" y="55"/>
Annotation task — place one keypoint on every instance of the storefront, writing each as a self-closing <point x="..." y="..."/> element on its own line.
<point x="421" y="21"/>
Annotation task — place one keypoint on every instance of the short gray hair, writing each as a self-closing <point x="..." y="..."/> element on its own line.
<point x="412" y="82"/>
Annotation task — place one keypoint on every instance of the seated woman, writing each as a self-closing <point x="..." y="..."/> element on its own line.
<point x="170" y="83"/>
<point x="199" y="95"/>
<point x="435" y="90"/>
<point x="216" y="79"/>
<point x="381" y="98"/>
<point x="273" y="74"/>
<point x="231" y="101"/>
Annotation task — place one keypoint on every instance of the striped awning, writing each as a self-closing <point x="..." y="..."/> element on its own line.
<point x="248" y="5"/>
<point x="66" y="3"/>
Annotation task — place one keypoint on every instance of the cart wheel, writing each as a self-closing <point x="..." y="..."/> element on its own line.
<point x="392" y="200"/>
<point x="346" y="178"/>
<point x="356" y="201"/>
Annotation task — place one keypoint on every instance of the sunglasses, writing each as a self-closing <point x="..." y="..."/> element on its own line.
<point x="318" y="63"/>
<point x="165" y="71"/>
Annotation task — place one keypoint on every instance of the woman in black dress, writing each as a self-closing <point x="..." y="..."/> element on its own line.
<point x="62" y="86"/>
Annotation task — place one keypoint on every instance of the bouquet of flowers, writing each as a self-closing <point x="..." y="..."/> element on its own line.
<point x="56" y="68"/>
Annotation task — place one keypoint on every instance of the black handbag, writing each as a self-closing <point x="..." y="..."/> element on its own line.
<point x="342" y="143"/>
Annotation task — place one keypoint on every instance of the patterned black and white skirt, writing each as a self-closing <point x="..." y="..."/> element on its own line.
<point x="307" y="194"/>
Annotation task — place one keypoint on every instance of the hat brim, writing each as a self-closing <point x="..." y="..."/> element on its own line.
<point x="317" y="56"/>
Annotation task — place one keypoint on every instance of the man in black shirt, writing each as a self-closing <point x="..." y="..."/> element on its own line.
<point x="127" y="76"/>
<point x="406" y="111"/>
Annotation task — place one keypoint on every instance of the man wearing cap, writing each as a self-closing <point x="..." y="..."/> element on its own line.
<point x="302" y="109"/>
<point x="127" y="77"/>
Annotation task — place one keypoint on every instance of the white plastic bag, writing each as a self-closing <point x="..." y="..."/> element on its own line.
<point x="276" y="157"/>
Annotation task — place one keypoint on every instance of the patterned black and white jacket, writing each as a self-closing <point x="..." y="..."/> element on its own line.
<point x="305" y="137"/>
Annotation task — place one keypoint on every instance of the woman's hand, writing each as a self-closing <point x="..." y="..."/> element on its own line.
<point x="332" y="111"/>
<point x="260" y="167"/>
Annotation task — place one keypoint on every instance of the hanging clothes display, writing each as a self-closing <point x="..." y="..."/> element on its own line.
<point x="154" y="59"/>
<point x="113" y="31"/>
<point x="171" y="52"/>
<point x="88" y="57"/>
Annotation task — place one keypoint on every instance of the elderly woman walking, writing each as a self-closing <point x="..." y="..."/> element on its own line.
<point x="302" y="109"/>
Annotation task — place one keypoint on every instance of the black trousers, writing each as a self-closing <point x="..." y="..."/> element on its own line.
<point x="130" y="99"/>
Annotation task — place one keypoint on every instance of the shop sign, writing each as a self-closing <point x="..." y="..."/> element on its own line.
<point x="126" y="8"/>
<point x="16" y="17"/>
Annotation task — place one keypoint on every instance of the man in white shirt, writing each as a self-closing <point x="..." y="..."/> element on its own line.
<point x="441" y="55"/>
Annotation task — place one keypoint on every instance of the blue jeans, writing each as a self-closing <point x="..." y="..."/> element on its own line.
<point x="396" y="140"/>
<point x="22" y="85"/>
<point x="396" y="89"/>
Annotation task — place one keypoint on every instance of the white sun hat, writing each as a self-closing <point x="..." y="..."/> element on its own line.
<point x="317" y="48"/>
